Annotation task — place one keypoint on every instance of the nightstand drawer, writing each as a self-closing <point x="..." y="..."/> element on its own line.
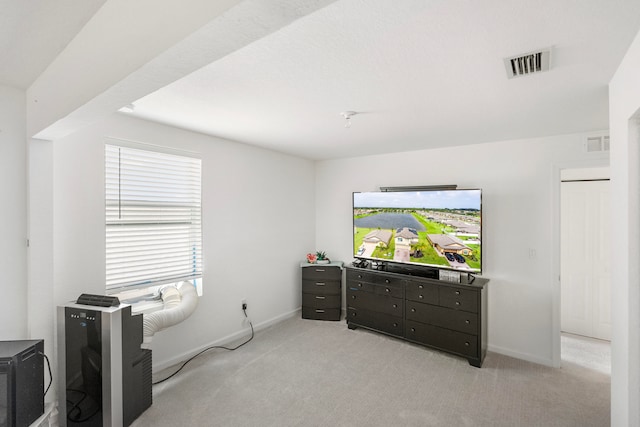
<point x="321" y="287"/>
<point x="456" y="320"/>
<point x="321" y="313"/>
<point x="458" y="298"/>
<point x="321" y="301"/>
<point x="321" y="273"/>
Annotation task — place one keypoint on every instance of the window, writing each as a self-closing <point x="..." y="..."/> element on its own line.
<point x="153" y="218"/>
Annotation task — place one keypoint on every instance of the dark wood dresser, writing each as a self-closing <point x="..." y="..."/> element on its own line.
<point x="322" y="290"/>
<point x="451" y="317"/>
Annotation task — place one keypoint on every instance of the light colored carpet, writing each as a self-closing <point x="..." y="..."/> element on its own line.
<point x="312" y="373"/>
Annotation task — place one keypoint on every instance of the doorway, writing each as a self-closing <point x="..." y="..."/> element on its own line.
<point x="585" y="254"/>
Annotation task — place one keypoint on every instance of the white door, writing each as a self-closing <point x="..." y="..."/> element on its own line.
<point x="584" y="259"/>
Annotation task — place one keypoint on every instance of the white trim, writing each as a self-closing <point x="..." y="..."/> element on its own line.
<point x="244" y="333"/>
<point x="554" y="279"/>
<point x="523" y="356"/>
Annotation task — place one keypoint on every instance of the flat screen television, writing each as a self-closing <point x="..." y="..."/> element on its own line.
<point x="430" y="228"/>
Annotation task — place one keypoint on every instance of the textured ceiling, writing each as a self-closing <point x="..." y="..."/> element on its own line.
<point x="421" y="74"/>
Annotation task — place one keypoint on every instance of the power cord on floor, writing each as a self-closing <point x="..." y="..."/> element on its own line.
<point x="244" y="310"/>
<point x="50" y="376"/>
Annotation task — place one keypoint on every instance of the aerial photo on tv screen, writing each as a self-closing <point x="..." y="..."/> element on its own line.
<point x="435" y="228"/>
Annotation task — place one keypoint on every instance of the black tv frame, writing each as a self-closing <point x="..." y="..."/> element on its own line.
<point x="416" y="269"/>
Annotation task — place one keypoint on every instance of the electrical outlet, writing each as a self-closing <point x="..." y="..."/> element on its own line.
<point x="244" y="304"/>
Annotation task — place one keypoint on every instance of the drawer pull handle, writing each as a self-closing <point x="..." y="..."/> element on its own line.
<point x="320" y="270"/>
<point x="467" y="344"/>
<point x="413" y="310"/>
<point x="457" y="302"/>
<point x="359" y="285"/>
<point x="457" y="292"/>
<point x="395" y="305"/>
<point x="319" y="284"/>
<point x="387" y="290"/>
<point x="420" y="296"/>
<point x="413" y="329"/>
<point x="353" y="297"/>
<point x="319" y="311"/>
<point x="420" y="287"/>
<point x="395" y="325"/>
<point x="320" y="297"/>
<point x="387" y="281"/>
<point x="359" y="276"/>
<point x="467" y="322"/>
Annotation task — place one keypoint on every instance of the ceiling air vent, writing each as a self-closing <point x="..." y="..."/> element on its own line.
<point x="529" y="63"/>
<point x="596" y="144"/>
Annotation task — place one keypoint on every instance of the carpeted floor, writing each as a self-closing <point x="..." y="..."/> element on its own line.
<point x="311" y="373"/>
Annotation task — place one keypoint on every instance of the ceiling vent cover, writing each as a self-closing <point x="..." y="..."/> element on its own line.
<point x="529" y="63"/>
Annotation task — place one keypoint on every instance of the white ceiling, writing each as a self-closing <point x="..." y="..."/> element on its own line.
<point x="420" y="74"/>
<point x="34" y="32"/>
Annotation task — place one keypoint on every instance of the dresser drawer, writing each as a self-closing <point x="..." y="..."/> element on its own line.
<point x="422" y="292"/>
<point x="381" y="322"/>
<point x="456" y="320"/>
<point x="321" y="301"/>
<point x="458" y="298"/>
<point x="377" y="277"/>
<point x="321" y="313"/>
<point x="362" y="276"/>
<point x="387" y="290"/>
<point x="374" y="302"/>
<point x="322" y="273"/>
<point x="444" y="339"/>
<point x="386" y="286"/>
<point x="321" y="287"/>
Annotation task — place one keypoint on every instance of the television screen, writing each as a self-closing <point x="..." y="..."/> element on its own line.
<point x="434" y="228"/>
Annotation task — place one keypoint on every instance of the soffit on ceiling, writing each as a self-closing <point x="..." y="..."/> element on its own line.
<point x="34" y="32"/>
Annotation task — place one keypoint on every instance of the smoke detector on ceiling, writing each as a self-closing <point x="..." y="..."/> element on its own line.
<point x="528" y="63"/>
<point x="347" y="116"/>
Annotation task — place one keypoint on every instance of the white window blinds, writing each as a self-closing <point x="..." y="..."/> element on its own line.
<point x="153" y="218"/>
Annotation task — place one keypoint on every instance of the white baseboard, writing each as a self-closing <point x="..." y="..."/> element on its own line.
<point x="522" y="356"/>
<point x="225" y="340"/>
<point x="282" y="317"/>
<point x="263" y="325"/>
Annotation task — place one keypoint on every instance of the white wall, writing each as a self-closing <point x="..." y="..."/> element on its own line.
<point x="519" y="180"/>
<point x="40" y="307"/>
<point x="13" y="214"/>
<point x="258" y="216"/>
<point x="624" y="112"/>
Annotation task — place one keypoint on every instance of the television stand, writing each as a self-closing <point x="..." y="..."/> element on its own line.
<point x="446" y="316"/>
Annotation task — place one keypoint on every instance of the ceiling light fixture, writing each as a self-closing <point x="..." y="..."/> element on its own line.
<point x="347" y="116"/>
